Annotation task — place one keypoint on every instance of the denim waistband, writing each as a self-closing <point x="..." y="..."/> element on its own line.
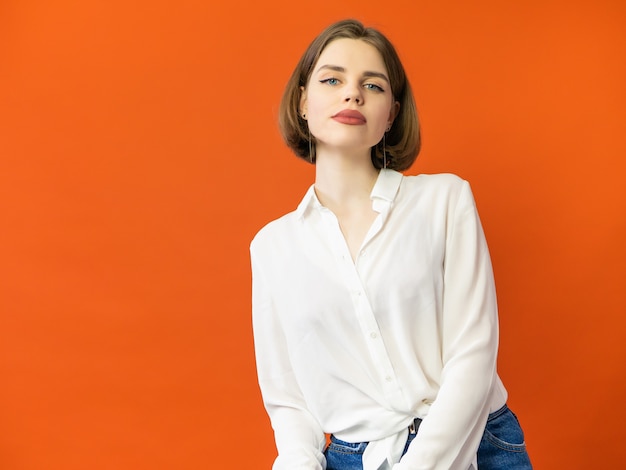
<point x="497" y="413"/>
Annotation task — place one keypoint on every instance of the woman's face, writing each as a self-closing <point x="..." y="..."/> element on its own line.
<point x="348" y="101"/>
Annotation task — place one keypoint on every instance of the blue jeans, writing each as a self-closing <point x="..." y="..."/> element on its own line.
<point x="501" y="447"/>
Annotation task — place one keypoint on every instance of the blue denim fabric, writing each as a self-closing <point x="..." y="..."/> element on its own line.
<point x="502" y="446"/>
<point x="342" y="455"/>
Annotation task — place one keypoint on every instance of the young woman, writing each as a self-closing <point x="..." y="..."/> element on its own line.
<point x="374" y="307"/>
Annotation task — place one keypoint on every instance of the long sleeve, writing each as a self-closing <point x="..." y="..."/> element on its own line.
<point x="299" y="438"/>
<point x="450" y="434"/>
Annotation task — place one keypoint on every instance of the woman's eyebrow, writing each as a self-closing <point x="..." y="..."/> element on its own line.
<point x="335" y="68"/>
<point x="367" y="74"/>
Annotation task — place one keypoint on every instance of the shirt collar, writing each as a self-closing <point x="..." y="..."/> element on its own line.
<point x="387" y="185"/>
<point x="384" y="191"/>
<point x="308" y="201"/>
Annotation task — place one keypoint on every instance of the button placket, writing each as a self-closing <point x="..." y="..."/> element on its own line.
<point x="371" y="332"/>
<point x="363" y="309"/>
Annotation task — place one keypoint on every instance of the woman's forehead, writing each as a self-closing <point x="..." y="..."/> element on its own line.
<point x="351" y="54"/>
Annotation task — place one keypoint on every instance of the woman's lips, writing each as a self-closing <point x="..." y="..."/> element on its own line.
<point x="350" y="116"/>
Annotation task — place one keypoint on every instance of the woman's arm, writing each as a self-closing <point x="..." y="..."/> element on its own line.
<point x="449" y="436"/>
<point x="299" y="438"/>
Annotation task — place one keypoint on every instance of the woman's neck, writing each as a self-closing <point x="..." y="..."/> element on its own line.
<point x="342" y="181"/>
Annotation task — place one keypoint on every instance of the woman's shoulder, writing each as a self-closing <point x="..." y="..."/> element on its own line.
<point x="438" y="180"/>
<point x="435" y="184"/>
<point x="274" y="230"/>
<point x="282" y="229"/>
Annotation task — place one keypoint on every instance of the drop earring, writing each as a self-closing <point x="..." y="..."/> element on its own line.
<point x="385" y="147"/>
<point x="310" y="148"/>
<point x="310" y="145"/>
<point x="384" y="152"/>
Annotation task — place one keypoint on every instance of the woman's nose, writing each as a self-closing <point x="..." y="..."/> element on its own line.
<point x="353" y="93"/>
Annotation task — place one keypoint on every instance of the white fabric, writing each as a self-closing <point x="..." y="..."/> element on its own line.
<point x="382" y="454"/>
<point x="359" y="349"/>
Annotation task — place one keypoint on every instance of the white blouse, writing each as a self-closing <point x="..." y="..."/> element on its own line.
<point x="359" y="349"/>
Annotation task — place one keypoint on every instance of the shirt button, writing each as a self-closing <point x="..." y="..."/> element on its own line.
<point x="373" y="335"/>
<point x="388" y="378"/>
<point x="363" y="253"/>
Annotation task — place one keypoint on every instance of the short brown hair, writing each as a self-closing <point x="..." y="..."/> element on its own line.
<point x="402" y="142"/>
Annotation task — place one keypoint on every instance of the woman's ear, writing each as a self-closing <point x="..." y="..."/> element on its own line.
<point x="395" y="109"/>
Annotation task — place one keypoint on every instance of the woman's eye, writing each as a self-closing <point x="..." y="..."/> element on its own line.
<point x="330" y="81"/>
<point x="373" y="86"/>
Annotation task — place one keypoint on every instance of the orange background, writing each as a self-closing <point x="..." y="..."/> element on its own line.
<point x="139" y="154"/>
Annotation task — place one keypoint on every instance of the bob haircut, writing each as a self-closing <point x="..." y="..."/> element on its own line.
<point x="402" y="141"/>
